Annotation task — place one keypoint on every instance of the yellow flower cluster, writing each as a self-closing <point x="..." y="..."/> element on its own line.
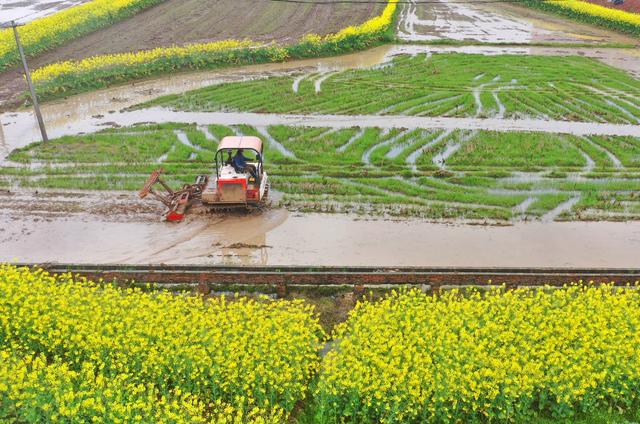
<point x="34" y="390"/>
<point x="135" y="58"/>
<point x="70" y="23"/>
<point x="239" y="360"/>
<point x="497" y="356"/>
<point x="373" y="26"/>
<point x="172" y="55"/>
<point x="590" y="9"/>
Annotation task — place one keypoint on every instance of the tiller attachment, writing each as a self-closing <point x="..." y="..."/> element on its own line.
<point x="177" y="202"/>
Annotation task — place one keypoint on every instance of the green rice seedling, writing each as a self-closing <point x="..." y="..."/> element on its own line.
<point x="526" y="86"/>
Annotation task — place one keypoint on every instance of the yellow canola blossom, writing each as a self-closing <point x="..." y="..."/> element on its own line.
<point x="372" y="27"/>
<point x="34" y="390"/>
<point x="467" y="357"/>
<point x="43" y="33"/>
<point x="135" y="58"/>
<point x="244" y="360"/>
<point x="596" y="10"/>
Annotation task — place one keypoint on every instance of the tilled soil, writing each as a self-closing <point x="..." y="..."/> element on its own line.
<point x="178" y="22"/>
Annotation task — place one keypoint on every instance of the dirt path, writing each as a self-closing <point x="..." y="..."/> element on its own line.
<point x="177" y="22"/>
<point x="116" y="227"/>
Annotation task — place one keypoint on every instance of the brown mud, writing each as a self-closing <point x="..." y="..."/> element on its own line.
<point x="117" y="227"/>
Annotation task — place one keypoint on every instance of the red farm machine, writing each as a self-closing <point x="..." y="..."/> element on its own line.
<point x="239" y="181"/>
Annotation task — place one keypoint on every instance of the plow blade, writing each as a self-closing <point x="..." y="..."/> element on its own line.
<point x="177" y="202"/>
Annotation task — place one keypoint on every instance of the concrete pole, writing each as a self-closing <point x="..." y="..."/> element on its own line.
<point x="27" y="74"/>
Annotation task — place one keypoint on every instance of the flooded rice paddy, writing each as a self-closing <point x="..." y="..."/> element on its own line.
<point x="116" y="227"/>
<point x="90" y="112"/>
<point x="16" y="135"/>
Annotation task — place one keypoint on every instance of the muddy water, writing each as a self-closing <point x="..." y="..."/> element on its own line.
<point x="28" y="10"/>
<point x="275" y="238"/>
<point x="66" y="116"/>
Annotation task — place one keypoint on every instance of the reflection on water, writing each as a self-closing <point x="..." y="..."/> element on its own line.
<point x="275" y="238"/>
<point x="72" y="115"/>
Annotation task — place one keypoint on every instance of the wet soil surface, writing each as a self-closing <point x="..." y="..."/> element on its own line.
<point x="178" y="22"/>
<point x="495" y="23"/>
<point x="117" y="227"/>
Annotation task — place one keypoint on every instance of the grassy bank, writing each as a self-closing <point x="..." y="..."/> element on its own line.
<point x="484" y="176"/>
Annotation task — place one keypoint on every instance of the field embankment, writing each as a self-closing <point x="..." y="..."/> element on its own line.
<point x="61" y="78"/>
<point x="177" y="23"/>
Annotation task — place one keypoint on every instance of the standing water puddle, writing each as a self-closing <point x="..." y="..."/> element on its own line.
<point x="275" y="238"/>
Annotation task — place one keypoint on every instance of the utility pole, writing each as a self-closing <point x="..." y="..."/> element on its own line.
<point x="34" y="98"/>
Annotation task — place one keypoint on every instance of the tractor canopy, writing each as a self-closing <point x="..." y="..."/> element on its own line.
<point x="241" y="142"/>
<point x="251" y="146"/>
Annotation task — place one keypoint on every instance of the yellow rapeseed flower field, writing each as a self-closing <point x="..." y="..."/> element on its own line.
<point x="179" y="57"/>
<point x="500" y="356"/>
<point x="75" y="351"/>
<point x="134" y="58"/>
<point x="45" y="33"/>
<point x="375" y="25"/>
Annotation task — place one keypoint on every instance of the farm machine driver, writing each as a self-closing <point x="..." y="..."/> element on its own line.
<point x="238" y="181"/>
